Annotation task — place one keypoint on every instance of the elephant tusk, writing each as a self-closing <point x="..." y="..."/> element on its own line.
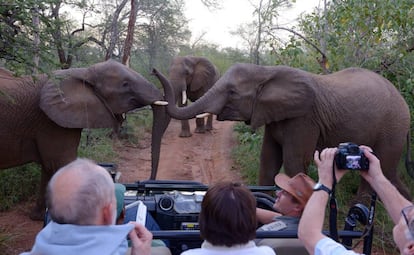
<point x="202" y="115"/>
<point x="184" y="96"/>
<point x="160" y="103"/>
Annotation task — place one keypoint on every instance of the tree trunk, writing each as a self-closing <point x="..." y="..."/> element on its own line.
<point x="114" y="30"/>
<point x="36" y="40"/>
<point x="130" y="34"/>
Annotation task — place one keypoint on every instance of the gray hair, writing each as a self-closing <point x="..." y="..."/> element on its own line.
<point x="92" y="189"/>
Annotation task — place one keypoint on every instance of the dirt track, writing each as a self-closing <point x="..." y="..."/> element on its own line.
<point x="203" y="157"/>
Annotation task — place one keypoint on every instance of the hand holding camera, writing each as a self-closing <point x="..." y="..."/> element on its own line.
<point x="350" y="157"/>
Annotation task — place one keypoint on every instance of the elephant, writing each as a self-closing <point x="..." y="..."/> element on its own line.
<point x="191" y="77"/>
<point x="302" y="112"/>
<point x="42" y="116"/>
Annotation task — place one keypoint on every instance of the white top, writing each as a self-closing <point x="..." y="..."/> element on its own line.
<point x="327" y="246"/>
<point x="243" y="249"/>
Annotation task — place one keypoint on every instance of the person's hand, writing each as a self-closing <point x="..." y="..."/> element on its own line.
<point x="374" y="170"/>
<point x="325" y="163"/>
<point x="141" y="240"/>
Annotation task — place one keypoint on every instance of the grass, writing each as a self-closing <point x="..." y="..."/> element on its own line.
<point x="247" y="154"/>
<point x="5" y="238"/>
<point x="18" y="184"/>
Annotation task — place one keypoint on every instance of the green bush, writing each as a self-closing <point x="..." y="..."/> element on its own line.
<point x="96" y="144"/>
<point x="247" y="154"/>
<point x="18" y="184"/>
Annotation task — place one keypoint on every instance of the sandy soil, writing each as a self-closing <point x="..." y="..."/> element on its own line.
<point x="203" y="157"/>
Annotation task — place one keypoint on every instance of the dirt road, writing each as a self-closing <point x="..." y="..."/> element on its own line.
<point x="203" y="157"/>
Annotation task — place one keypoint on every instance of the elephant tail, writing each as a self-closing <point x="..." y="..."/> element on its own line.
<point x="409" y="165"/>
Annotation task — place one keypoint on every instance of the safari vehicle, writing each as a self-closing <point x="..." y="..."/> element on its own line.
<point x="175" y="206"/>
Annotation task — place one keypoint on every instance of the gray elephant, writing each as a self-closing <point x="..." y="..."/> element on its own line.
<point x="191" y="77"/>
<point x="42" y="117"/>
<point x="303" y="112"/>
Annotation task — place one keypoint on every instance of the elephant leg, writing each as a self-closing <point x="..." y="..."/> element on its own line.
<point x="185" y="129"/>
<point x="185" y="125"/>
<point x="200" y="128"/>
<point x="57" y="147"/>
<point x="38" y="211"/>
<point x="270" y="159"/>
<point x="299" y="143"/>
<point x="209" y="124"/>
<point x="389" y="152"/>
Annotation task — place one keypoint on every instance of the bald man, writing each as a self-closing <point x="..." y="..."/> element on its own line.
<point x="83" y="208"/>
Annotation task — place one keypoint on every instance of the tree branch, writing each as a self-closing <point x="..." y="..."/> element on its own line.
<point x="323" y="61"/>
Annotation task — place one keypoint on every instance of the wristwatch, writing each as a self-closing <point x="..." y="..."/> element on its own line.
<point x="319" y="186"/>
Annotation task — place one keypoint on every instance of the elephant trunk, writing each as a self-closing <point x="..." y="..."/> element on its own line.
<point x="202" y="105"/>
<point x="160" y="123"/>
<point x="179" y="86"/>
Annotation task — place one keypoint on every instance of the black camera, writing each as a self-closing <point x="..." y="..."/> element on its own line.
<point x="349" y="156"/>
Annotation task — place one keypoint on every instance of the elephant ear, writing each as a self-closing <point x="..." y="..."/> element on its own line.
<point x="204" y="76"/>
<point x="68" y="98"/>
<point x="285" y="93"/>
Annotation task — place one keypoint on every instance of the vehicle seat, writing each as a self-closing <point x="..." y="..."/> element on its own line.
<point x="285" y="246"/>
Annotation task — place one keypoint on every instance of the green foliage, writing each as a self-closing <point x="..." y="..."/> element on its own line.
<point x="247" y="154"/>
<point x="137" y="123"/>
<point x="96" y="144"/>
<point x="361" y="33"/>
<point x="79" y="33"/>
<point x="18" y="184"/>
<point x="223" y="58"/>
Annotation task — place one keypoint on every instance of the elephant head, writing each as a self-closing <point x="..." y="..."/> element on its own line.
<point x="97" y="96"/>
<point x="244" y="93"/>
<point x="190" y="78"/>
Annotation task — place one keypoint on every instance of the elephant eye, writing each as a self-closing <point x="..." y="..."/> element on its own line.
<point x="125" y="84"/>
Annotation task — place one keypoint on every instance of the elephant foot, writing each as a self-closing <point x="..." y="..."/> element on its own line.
<point x="185" y="134"/>
<point x="209" y="128"/>
<point x="200" y="130"/>
<point x="37" y="215"/>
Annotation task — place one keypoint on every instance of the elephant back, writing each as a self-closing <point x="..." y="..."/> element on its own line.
<point x="19" y="101"/>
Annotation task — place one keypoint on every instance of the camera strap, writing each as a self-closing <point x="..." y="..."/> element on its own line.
<point x="333" y="228"/>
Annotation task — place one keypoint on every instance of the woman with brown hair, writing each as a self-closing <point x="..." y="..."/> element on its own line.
<point x="228" y="222"/>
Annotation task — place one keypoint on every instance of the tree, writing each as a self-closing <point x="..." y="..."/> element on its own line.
<point x="256" y="34"/>
<point x="161" y="31"/>
<point x="359" y="33"/>
<point x="42" y="26"/>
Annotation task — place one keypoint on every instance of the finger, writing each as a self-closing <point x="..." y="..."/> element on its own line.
<point x="143" y="232"/>
<point x="133" y="236"/>
<point x="316" y="156"/>
<point x="366" y="148"/>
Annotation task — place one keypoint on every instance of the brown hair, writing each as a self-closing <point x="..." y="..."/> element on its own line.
<point x="228" y="214"/>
